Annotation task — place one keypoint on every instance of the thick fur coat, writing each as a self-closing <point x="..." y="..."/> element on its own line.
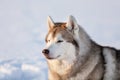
<point x="72" y="55"/>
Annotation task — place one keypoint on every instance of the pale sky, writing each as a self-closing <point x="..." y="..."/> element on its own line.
<point x="23" y="23"/>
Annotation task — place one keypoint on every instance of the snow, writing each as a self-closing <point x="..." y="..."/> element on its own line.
<point x="23" y="70"/>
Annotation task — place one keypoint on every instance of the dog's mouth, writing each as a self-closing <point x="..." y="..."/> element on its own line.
<point x="50" y="58"/>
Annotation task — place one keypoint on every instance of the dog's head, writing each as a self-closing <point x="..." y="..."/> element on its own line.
<point x="61" y="39"/>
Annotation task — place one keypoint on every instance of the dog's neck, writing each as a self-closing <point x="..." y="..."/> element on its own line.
<point x="60" y="66"/>
<point x="81" y="67"/>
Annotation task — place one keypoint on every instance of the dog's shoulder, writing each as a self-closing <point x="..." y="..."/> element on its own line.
<point x="113" y="52"/>
<point x="112" y="60"/>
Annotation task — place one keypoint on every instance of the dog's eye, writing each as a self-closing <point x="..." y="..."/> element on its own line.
<point x="59" y="41"/>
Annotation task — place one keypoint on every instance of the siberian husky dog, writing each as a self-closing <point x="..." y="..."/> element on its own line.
<point x="72" y="55"/>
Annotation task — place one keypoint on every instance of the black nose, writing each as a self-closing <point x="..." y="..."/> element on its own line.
<point x="45" y="51"/>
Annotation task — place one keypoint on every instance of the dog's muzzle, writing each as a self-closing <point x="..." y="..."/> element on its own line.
<point x="46" y="53"/>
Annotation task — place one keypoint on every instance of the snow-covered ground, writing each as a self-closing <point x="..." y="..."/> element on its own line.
<point x="23" y="28"/>
<point x="23" y="70"/>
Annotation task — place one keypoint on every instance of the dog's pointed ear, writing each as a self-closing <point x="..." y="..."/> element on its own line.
<point x="50" y="22"/>
<point x="71" y="23"/>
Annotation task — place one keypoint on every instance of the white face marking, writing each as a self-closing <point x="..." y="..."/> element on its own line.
<point x="59" y="50"/>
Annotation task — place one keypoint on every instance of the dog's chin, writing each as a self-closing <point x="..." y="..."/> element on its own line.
<point x="52" y="58"/>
